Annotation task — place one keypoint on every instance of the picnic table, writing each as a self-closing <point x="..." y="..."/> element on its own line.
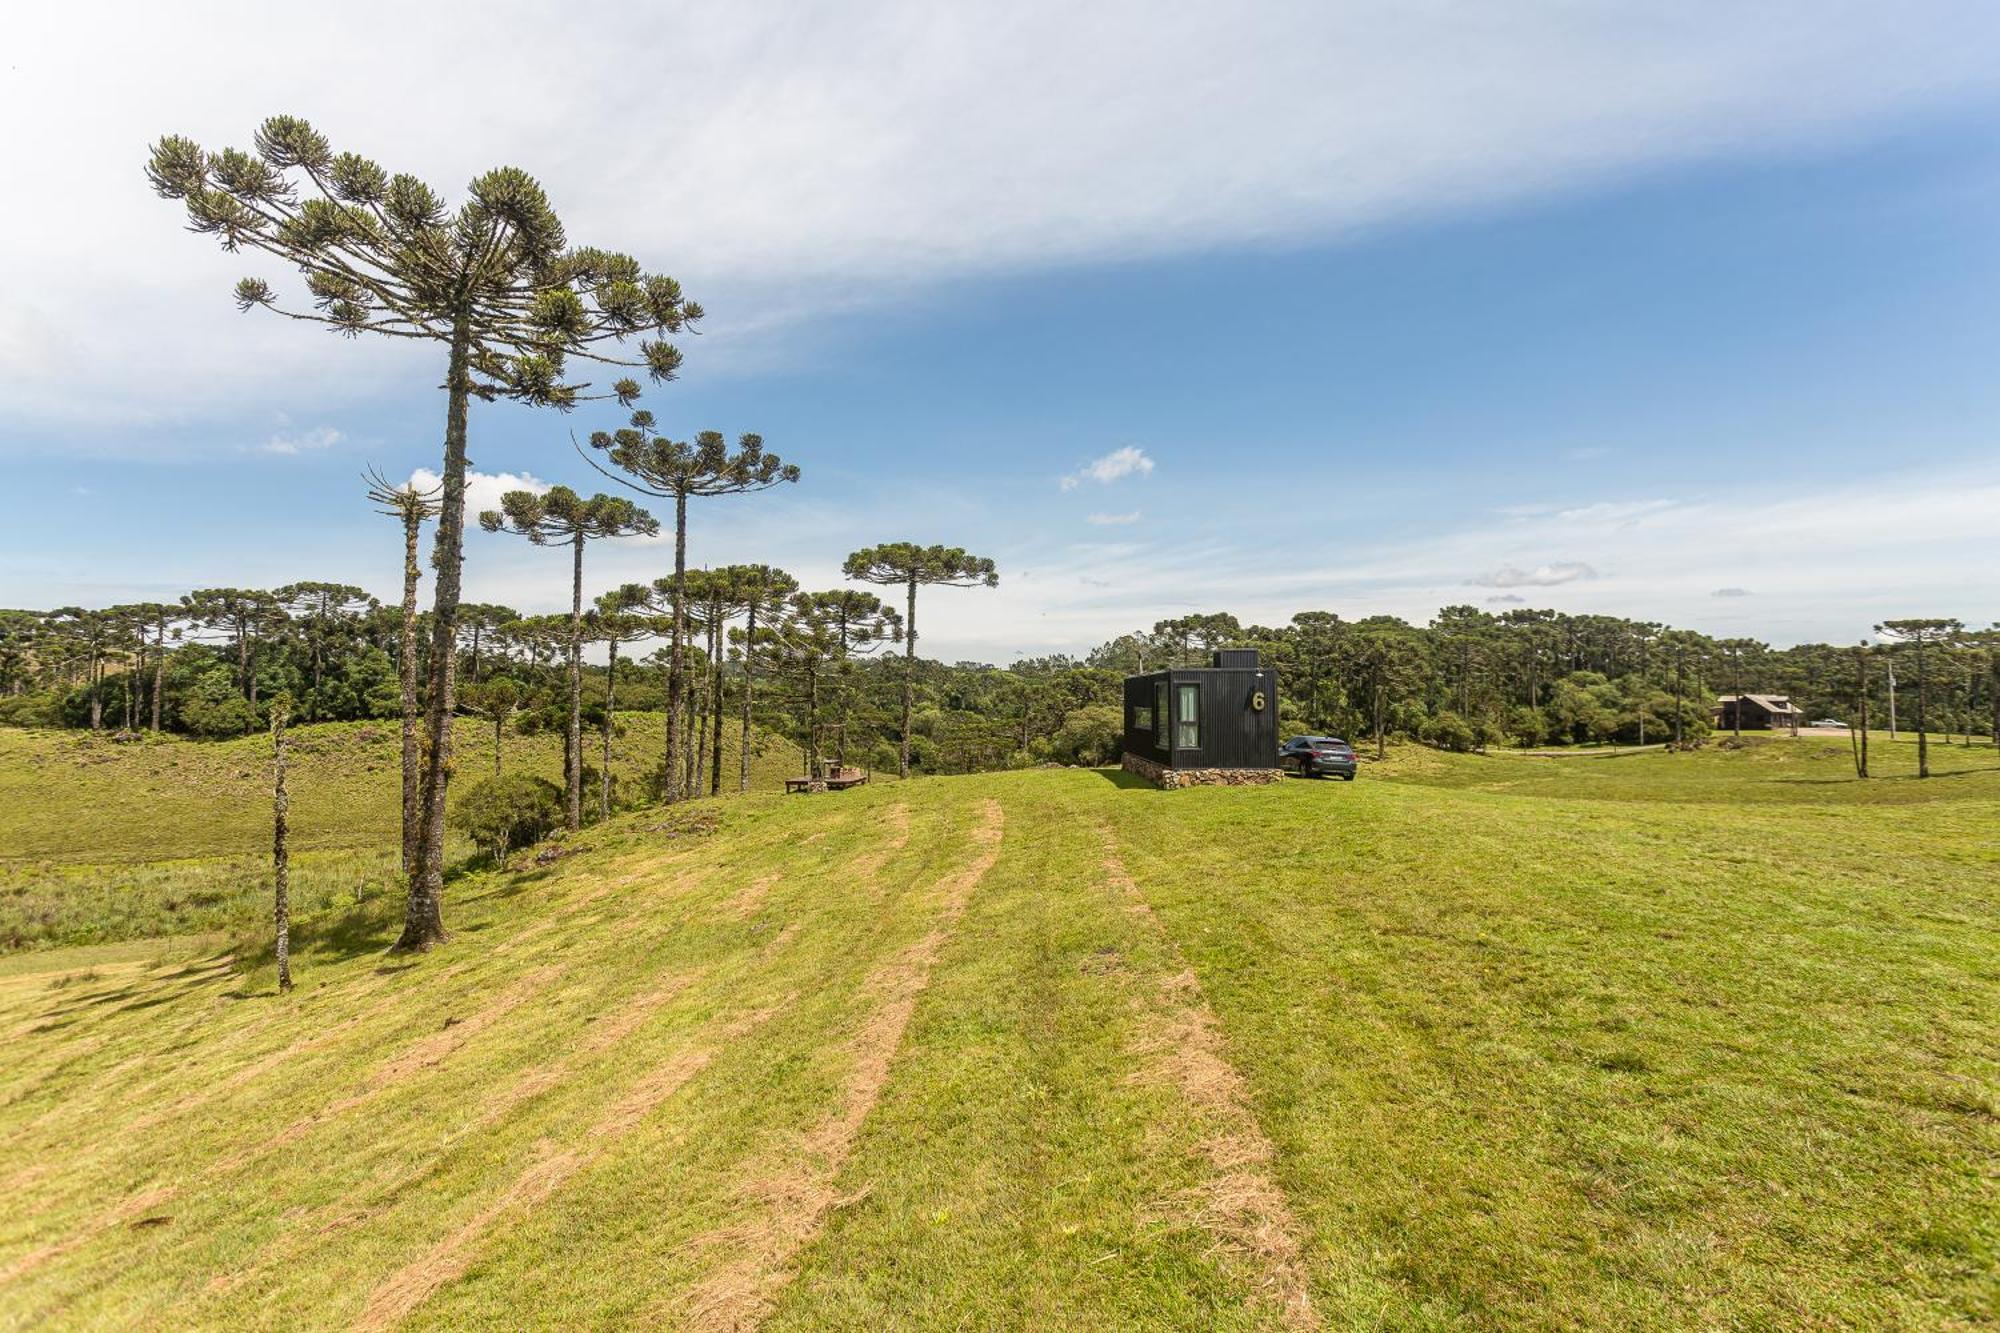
<point x="832" y="777"/>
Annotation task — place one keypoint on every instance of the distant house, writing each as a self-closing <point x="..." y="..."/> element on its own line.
<point x="1195" y="725"/>
<point x="1759" y="712"/>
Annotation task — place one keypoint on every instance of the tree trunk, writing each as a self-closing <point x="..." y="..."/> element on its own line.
<point x="715" y="713"/>
<point x="1860" y="731"/>
<point x="573" y="736"/>
<point x="423" y="920"/>
<point x="96" y="696"/>
<point x="610" y="698"/>
<point x="160" y="667"/>
<point x="281" y="862"/>
<point x="750" y="672"/>
<point x="1381" y="734"/>
<point x="674" y="672"/>
<point x="812" y="722"/>
<point x="1923" y="730"/>
<point x="413" y="809"/>
<point x="909" y="678"/>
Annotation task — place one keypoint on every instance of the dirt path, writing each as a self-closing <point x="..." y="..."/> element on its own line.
<point x="795" y="1196"/>
<point x="1240" y="1205"/>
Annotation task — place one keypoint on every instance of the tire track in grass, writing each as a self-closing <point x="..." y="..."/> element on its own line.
<point x="606" y="1032"/>
<point x="446" y="1261"/>
<point x="795" y="1199"/>
<point x="1240" y="1205"/>
<point x="424" y="1053"/>
<point x="421" y="1054"/>
<point x="866" y="864"/>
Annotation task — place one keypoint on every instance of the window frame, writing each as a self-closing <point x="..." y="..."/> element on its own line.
<point x="1185" y="693"/>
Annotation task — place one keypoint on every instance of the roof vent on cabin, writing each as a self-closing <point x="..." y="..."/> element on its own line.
<point x="1236" y="657"/>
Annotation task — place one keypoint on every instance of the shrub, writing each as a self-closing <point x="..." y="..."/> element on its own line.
<point x="508" y="812"/>
<point x="1089" y="736"/>
<point x="1448" y="731"/>
<point x="213" y="708"/>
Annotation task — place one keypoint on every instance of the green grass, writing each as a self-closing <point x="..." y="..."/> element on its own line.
<point x="101" y="841"/>
<point x="1665" y="1041"/>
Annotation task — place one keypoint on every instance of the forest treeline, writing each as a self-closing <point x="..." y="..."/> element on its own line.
<point x="209" y="664"/>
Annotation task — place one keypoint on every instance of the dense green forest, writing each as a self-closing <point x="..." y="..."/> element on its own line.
<point x="209" y="664"/>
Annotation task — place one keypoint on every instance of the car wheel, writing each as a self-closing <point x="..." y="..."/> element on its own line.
<point x="1347" y="777"/>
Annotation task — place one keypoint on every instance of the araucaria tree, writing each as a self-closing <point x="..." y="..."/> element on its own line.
<point x="495" y="282"/>
<point x="760" y="590"/>
<point x="561" y="517"/>
<point x="816" y="632"/>
<point x="907" y="565"/>
<point x="652" y="464"/>
<point x="410" y="506"/>
<point x="1922" y="634"/>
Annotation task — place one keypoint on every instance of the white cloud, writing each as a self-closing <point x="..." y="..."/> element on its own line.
<point x="834" y="153"/>
<point x="482" y="489"/>
<point x="1541" y="576"/>
<point x="1128" y="461"/>
<point x="293" y="443"/>
<point x="1114" y="520"/>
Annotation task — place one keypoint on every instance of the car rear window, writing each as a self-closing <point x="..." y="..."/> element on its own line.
<point x="1336" y="747"/>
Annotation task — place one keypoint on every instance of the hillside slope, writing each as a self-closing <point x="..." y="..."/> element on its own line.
<point x="1044" y="1049"/>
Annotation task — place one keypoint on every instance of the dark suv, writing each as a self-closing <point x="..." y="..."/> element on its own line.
<point x="1318" y="756"/>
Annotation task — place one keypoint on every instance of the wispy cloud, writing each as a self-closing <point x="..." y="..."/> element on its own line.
<point x="1614" y="511"/>
<point x="290" y="444"/>
<point x="1541" y="576"/>
<point x="1129" y="461"/>
<point x="1730" y="592"/>
<point x="1114" y="520"/>
<point x="1506" y="599"/>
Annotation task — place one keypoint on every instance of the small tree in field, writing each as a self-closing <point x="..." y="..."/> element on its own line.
<point x="409" y="506"/>
<point x="652" y="464"/>
<point x="760" y="591"/>
<point x="618" y="618"/>
<point x="562" y="517"/>
<point x="496" y="700"/>
<point x="495" y="284"/>
<point x="281" y="857"/>
<point x="906" y="565"/>
<point x="1922" y="634"/>
<point x="1857" y="727"/>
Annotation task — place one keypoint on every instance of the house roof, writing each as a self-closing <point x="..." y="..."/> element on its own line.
<point x="1770" y="703"/>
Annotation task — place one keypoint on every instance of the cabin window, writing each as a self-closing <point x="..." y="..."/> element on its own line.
<point x="1187" y="720"/>
<point x="1160" y="709"/>
<point x="1142" y="719"/>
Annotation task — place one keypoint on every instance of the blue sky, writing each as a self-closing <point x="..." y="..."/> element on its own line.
<point x="1735" y="378"/>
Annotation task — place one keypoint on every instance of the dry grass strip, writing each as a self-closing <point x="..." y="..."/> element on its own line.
<point x="1240" y="1205"/>
<point x="124" y="1211"/>
<point x="397" y="1297"/>
<point x="746" y="900"/>
<point x="795" y="1199"/>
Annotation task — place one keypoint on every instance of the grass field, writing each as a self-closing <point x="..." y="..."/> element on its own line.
<point x="1612" y="1041"/>
<point x="101" y="841"/>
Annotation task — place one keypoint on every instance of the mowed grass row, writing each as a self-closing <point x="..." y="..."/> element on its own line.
<point x="101" y="842"/>
<point x="1471" y="1057"/>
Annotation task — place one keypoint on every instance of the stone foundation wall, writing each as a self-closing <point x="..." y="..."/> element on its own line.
<point x="1171" y="778"/>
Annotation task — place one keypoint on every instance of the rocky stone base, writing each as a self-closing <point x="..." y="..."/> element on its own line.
<point x="1171" y="778"/>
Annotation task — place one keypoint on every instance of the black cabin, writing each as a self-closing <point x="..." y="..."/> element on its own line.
<point x="1217" y="723"/>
